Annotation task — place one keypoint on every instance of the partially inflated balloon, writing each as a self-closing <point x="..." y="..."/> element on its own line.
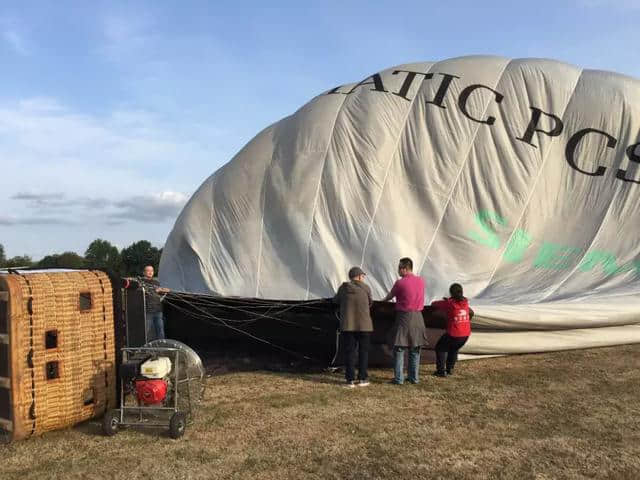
<point x="519" y="179"/>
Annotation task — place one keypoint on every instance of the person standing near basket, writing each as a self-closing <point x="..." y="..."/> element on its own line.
<point x="409" y="333"/>
<point x="154" y="318"/>
<point x="354" y="298"/>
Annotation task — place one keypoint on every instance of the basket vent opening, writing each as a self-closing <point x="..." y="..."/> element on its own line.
<point x="53" y="370"/>
<point x="85" y="301"/>
<point x="51" y="339"/>
<point x="89" y="397"/>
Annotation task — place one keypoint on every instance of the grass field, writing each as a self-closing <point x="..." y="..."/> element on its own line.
<point x="560" y="415"/>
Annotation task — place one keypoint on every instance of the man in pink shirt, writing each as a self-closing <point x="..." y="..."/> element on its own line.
<point x="408" y="332"/>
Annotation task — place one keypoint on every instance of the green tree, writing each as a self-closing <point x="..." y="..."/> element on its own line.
<point x="23" y="261"/>
<point x="3" y="259"/>
<point x="138" y="255"/>
<point x="63" y="260"/>
<point x="50" y="261"/>
<point x="102" y="255"/>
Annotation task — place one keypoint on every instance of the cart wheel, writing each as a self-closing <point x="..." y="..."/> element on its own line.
<point x="111" y="422"/>
<point x="177" y="425"/>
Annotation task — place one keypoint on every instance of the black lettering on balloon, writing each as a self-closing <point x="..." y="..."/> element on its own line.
<point x="541" y="122"/>
<point x="573" y="143"/>
<point x="408" y="80"/>
<point x="334" y="91"/>
<point x="378" y="86"/>
<point x="464" y="96"/>
<point x="634" y="157"/>
<point x="442" y="90"/>
<point x="533" y="124"/>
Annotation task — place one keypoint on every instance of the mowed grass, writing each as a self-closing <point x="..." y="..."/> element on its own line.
<point x="560" y="415"/>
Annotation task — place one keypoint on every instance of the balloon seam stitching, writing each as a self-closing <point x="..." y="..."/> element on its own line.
<point x="393" y="156"/>
<point x="315" y="201"/>
<point x="263" y="204"/>
<point x="588" y="249"/>
<point x="535" y="184"/>
<point x="464" y="164"/>
<point x="214" y="182"/>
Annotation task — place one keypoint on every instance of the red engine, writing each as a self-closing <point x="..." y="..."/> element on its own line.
<point x="151" y="392"/>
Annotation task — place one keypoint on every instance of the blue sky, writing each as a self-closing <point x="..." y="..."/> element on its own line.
<point x="113" y="113"/>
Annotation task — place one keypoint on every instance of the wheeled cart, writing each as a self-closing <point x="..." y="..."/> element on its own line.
<point x="153" y="391"/>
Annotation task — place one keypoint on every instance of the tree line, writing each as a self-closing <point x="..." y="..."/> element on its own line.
<point x="100" y="255"/>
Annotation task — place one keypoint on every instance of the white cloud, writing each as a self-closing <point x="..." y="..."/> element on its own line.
<point x="40" y="104"/>
<point x="126" y="147"/>
<point x="46" y="202"/>
<point x="70" y="177"/>
<point x="127" y="35"/>
<point x="16" y="41"/>
<point x="613" y="4"/>
<point x="34" y="220"/>
<point x="13" y="34"/>
<point x="38" y="198"/>
<point x="150" y="208"/>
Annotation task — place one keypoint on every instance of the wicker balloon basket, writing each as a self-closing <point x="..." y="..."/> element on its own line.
<point x="57" y="351"/>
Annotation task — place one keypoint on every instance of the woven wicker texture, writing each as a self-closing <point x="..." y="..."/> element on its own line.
<point x="74" y="379"/>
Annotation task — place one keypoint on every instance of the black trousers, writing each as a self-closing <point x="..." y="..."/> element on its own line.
<point x="447" y="351"/>
<point x="351" y="342"/>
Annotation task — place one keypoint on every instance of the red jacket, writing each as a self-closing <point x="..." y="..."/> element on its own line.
<point x="458" y="318"/>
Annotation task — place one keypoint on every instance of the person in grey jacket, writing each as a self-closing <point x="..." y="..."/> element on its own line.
<point x="153" y="307"/>
<point x="354" y="298"/>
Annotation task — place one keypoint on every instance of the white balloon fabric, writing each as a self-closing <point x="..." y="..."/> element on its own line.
<point x="518" y="178"/>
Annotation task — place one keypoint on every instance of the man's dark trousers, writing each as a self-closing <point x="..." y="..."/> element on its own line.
<point x="361" y="341"/>
<point x="447" y="352"/>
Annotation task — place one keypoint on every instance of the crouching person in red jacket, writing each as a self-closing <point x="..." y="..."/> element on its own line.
<point x="458" y="316"/>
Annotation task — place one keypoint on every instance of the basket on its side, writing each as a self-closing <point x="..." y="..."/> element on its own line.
<point x="57" y="352"/>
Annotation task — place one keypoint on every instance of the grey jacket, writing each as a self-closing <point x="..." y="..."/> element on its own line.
<point x="354" y="298"/>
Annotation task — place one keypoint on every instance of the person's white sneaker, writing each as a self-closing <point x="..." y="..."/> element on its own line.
<point x="364" y="383"/>
<point x="350" y="385"/>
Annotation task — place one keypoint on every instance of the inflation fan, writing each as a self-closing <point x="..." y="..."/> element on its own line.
<point x="162" y="384"/>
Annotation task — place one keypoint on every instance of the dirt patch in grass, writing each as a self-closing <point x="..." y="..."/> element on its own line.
<point x="559" y="415"/>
